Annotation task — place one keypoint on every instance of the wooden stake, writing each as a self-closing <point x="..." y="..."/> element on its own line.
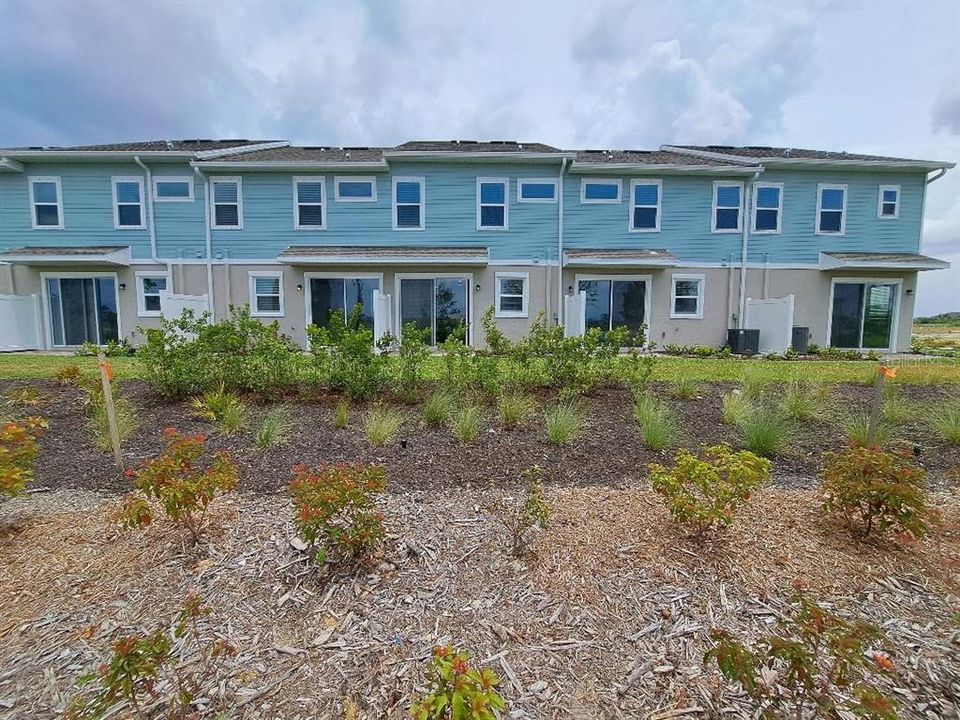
<point x="875" y="409"/>
<point x="105" y="378"/>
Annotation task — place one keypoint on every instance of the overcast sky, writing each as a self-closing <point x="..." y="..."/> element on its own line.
<point x="874" y="77"/>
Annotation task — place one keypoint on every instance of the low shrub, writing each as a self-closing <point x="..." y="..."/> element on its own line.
<point x="19" y="448"/>
<point x="112" y="348"/>
<point x="736" y="407"/>
<point x="411" y="356"/>
<point x="520" y="518"/>
<point x="382" y="424"/>
<point x="26" y="397"/>
<point x="816" y="665"/>
<point x="514" y="408"/>
<point x="273" y="429"/>
<point x="223" y="408"/>
<point x="68" y="375"/>
<point x="341" y="414"/>
<point x="438" y="408"/>
<point x="335" y="510"/>
<point x="764" y="430"/>
<point x="875" y="490"/>
<point x="139" y="663"/>
<point x="946" y="421"/>
<point x="465" y="423"/>
<point x="344" y="355"/>
<point x="658" y="425"/>
<point x="564" y="422"/>
<point x="683" y="388"/>
<point x="703" y="494"/>
<point x="465" y="371"/>
<point x="183" y="487"/>
<point x="801" y="402"/>
<point x="857" y="428"/>
<point x="457" y="691"/>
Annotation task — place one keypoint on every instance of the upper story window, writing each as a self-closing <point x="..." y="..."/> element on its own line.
<point x="492" y="210"/>
<point x="408" y="203"/>
<point x="645" y="205"/>
<point x="128" y="203"/>
<point x="355" y="189"/>
<point x="46" y="202"/>
<point x="227" y="203"/>
<point x="599" y="190"/>
<point x="767" y="207"/>
<point x="536" y="190"/>
<point x="727" y="206"/>
<point x="309" y="212"/>
<point x="266" y="293"/>
<point x="149" y="289"/>
<point x="831" y="209"/>
<point x="888" y="204"/>
<point x="173" y="189"/>
<point x="513" y="294"/>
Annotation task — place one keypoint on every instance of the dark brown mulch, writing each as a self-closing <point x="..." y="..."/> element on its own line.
<point x="610" y="451"/>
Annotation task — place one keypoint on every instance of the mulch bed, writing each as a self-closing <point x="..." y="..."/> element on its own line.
<point x="610" y="452"/>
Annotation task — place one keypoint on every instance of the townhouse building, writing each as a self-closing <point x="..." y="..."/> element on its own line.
<point x="98" y="241"/>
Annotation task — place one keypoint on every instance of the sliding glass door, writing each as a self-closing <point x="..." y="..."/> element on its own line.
<point x="82" y="309"/>
<point x="612" y="303"/>
<point x="439" y="303"/>
<point x="862" y="315"/>
<point x="341" y="294"/>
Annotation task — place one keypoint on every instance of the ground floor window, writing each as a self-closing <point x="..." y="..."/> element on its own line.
<point x="266" y="294"/>
<point x="328" y="295"/>
<point x="82" y="309"/>
<point x="686" y="296"/>
<point x="438" y="303"/>
<point x="612" y="303"/>
<point x="512" y="294"/>
<point x="149" y="288"/>
<point x="863" y="314"/>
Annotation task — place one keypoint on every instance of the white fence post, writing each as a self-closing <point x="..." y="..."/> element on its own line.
<point x="575" y="314"/>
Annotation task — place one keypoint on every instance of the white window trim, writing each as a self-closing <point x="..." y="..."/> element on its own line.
<point x="332" y="275"/>
<point x="894" y="326"/>
<point x="632" y="205"/>
<point x="505" y="182"/>
<point x="537" y="181"/>
<point x="717" y="184"/>
<point x="397" y="277"/>
<point x="843" y="213"/>
<point x="141" y="275"/>
<point x="157" y="179"/>
<point x="213" y="201"/>
<point x="359" y="178"/>
<point x="252" y="287"/>
<point x="753" y="225"/>
<point x="896" y="209"/>
<point x="297" y="179"/>
<point x="648" y="294"/>
<point x="599" y="181"/>
<point x="33" y="204"/>
<point x="114" y="181"/>
<point x="45" y="297"/>
<point x="423" y="202"/>
<point x="701" y="280"/>
<point x="525" y="311"/>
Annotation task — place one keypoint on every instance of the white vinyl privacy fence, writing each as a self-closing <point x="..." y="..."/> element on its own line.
<point x="774" y="319"/>
<point x="575" y="314"/>
<point x="20" y="323"/>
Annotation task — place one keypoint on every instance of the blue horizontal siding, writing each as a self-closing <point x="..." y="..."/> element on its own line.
<point x="180" y="226"/>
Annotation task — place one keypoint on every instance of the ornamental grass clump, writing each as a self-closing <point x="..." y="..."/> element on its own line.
<point x="857" y="428"/>
<point x="438" y="408"/>
<point x="802" y="402"/>
<point x="736" y="407"/>
<point x="335" y="510"/>
<point x="382" y="424"/>
<point x="658" y="424"/>
<point x="273" y="429"/>
<point x="514" y="408"/>
<point x="764" y="430"/>
<point x="946" y="421"/>
<point x="683" y="388"/>
<point x="179" y="483"/>
<point x="222" y="407"/>
<point x="875" y="490"/>
<point x="465" y="423"/>
<point x="564" y="422"/>
<point x="19" y="448"/>
<point x="457" y="691"/>
<point x="703" y="494"/>
<point x="341" y="414"/>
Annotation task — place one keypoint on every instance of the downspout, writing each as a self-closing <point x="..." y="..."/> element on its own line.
<point x="151" y="222"/>
<point x="563" y="167"/>
<point x="747" y="194"/>
<point x="209" y="238"/>
<point x="923" y="203"/>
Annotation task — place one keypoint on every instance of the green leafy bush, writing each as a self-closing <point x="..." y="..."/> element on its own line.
<point x="456" y="691"/>
<point x="438" y="408"/>
<point x="497" y="342"/>
<point x="764" y="430"/>
<point x="815" y="663"/>
<point x="514" y="408"/>
<point x="112" y="348"/>
<point x="182" y="487"/>
<point x="335" y="509"/>
<point x="466" y="371"/>
<point x="382" y="424"/>
<point x="875" y="490"/>
<point x="413" y="353"/>
<point x="465" y="423"/>
<point x="18" y="451"/>
<point x="273" y="429"/>
<point x="703" y="494"/>
<point x="520" y="518"/>
<point x="946" y="421"/>
<point x="564" y="422"/>
<point x="657" y="422"/>
<point x="344" y="355"/>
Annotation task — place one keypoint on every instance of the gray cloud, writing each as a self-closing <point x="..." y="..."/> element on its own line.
<point x="945" y="112"/>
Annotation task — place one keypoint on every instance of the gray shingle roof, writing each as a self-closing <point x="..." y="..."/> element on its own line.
<point x="644" y="157"/>
<point x="759" y="151"/>
<point x="309" y="154"/>
<point x="363" y="253"/>
<point x="475" y="146"/>
<point x="78" y="251"/>
<point x="154" y="146"/>
<point x="624" y="256"/>
<point x="836" y="260"/>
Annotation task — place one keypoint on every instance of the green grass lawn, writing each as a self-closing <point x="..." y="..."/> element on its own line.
<point x="933" y="371"/>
